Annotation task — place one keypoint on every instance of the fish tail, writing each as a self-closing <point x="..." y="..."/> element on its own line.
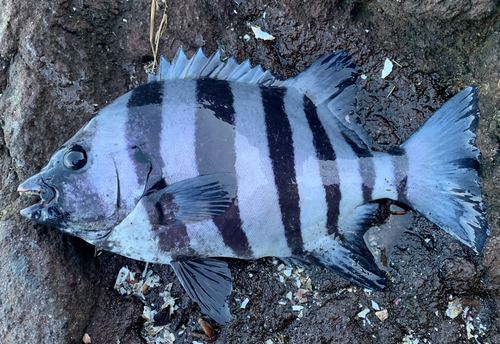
<point x="442" y="180"/>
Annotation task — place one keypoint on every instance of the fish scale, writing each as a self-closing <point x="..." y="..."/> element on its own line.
<point x="216" y="159"/>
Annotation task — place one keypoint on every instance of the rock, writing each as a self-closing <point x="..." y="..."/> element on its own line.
<point x="41" y="286"/>
<point x="440" y="10"/>
<point x="492" y="257"/>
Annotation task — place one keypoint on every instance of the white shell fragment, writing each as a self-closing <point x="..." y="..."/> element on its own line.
<point x="387" y="68"/>
<point x="454" y="308"/>
<point x="363" y="313"/>
<point x="261" y="34"/>
<point x="127" y="283"/>
<point x="86" y="339"/>
<point x="375" y="306"/>
<point x="244" y="303"/>
<point x="122" y="276"/>
<point x="382" y="315"/>
<point x="158" y="334"/>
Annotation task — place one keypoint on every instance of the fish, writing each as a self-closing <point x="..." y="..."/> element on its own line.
<point x="212" y="158"/>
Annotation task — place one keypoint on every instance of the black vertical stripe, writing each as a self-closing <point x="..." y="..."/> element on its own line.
<point x="324" y="152"/>
<point x="366" y="168"/>
<point x="400" y="163"/>
<point x="333" y="197"/>
<point x="361" y="152"/>
<point x="172" y="237"/>
<point x="147" y="94"/>
<point x="401" y="187"/>
<point x="367" y="192"/>
<point x="145" y="120"/>
<point x="230" y="225"/>
<point x="281" y="152"/>
<point x="217" y="96"/>
<point x="322" y="144"/>
<point x="367" y="173"/>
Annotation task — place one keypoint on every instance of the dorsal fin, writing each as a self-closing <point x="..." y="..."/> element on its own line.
<point x="199" y="66"/>
<point x="331" y="81"/>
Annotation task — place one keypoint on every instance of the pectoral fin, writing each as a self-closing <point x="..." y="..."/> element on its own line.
<point x="208" y="282"/>
<point x="194" y="199"/>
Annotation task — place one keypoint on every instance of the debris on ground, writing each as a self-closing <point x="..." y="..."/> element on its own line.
<point x="363" y="313"/>
<point x="387" y="68"/>
<point x="209" y="334"/>
<point x="382" y="315"/>
<point x="86" y="339"/>
<point x="261" y="34"/>
<point x="156" y="328"/>
<point x="454" y="308"/>
<point x="128" y="284"/>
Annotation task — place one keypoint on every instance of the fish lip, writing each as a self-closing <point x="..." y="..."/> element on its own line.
<point x="48" y="194"/>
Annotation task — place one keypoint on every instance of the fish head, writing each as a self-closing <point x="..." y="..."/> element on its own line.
<point x="86" y="188"/>
<point x="76" y="194"/>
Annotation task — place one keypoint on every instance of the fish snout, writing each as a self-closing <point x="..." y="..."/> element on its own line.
<point x="48" y="194"/>
<point x="38" y="186"/>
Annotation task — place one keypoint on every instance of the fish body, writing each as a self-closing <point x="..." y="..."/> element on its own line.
<point x="217" y="159"/>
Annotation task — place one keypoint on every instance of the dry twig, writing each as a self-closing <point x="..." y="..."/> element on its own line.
<point x="154" y="39"/>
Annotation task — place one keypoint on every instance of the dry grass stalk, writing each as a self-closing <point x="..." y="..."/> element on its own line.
<point x="155" y="39"/>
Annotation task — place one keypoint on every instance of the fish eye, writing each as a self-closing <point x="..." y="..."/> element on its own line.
<point x="75" y="158"/>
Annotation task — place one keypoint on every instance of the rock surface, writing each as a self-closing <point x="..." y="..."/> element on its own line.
<point x="60" y="61"/>
<point x="440" y="9"/>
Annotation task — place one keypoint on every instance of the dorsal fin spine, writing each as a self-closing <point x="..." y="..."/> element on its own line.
<point x="200" y="66"/>
<point x="330" y="82"/>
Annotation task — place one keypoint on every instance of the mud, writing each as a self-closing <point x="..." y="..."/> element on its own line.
<point x="60" y="61"/>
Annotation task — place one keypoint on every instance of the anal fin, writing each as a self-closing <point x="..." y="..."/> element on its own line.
<point x="353" y="228"/>
<point x="348" y="255"/>
<point x="208" y="282"/>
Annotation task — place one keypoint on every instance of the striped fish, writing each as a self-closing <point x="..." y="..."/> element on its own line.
<point x="213" y="158"/>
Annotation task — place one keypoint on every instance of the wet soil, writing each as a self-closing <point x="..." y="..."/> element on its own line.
<point x="60" y="61"/>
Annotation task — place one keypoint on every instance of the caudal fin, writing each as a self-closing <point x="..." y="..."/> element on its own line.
<point x="443" y="160"/>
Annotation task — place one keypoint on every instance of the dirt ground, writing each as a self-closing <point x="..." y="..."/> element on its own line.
<point x="62" y="60"/>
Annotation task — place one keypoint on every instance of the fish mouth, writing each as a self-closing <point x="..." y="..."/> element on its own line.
<point x="48" y="196"/>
